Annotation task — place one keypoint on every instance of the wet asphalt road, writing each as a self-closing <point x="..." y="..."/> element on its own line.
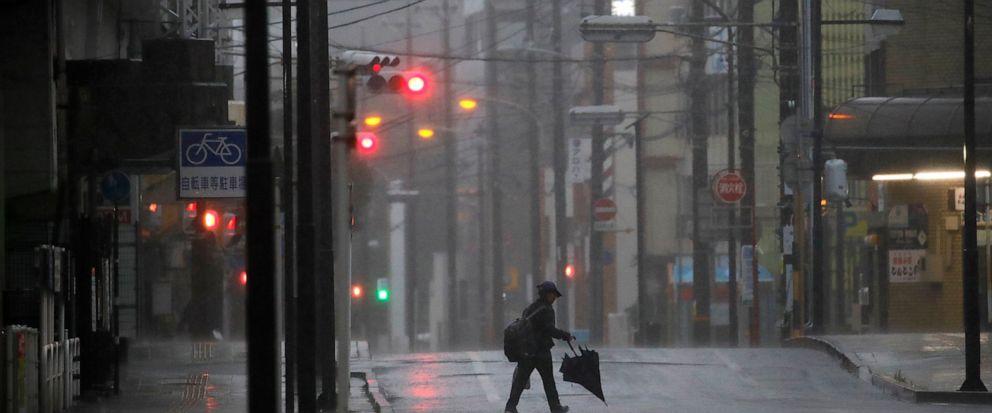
<point x="646" y="380"/>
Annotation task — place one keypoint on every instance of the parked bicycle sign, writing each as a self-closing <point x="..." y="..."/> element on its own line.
<point x="212" y="163"/>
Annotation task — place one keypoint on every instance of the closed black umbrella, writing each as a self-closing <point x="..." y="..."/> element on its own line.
<point x="583" y="369"/>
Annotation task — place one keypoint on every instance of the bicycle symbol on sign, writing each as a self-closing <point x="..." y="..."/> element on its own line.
<point x="229" y="153"/>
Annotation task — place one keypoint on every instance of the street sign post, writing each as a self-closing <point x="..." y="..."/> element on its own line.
<point x="604" y="212"/>
<point x="729" y="186"/>
<point x="212" y="163"/>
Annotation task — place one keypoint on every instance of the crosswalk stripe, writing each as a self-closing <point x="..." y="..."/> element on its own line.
<point x="484" y="379"/>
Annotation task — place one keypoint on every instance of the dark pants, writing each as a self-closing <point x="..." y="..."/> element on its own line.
<point x="543" y="365"/>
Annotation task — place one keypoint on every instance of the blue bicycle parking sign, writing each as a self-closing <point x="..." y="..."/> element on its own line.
<point x="212" y="163"/>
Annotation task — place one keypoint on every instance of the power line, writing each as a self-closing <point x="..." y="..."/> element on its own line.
<point x="406" y="6"/>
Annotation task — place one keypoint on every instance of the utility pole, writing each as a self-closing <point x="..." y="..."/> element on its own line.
<point x="559" y="153"/>
<point x="288" y="206"/>
<point x="813" y="31"/>
<point x="411" y="206"/>
<point x="790" y="199"/>
<point x="324" y="258"/>
<point x="480" y="184"/>
<point x="306" y="307"/>
<point x="700" y="178"/>
<point x="533" y="140"/>
<point x="450" y="156"/>
<point x="733" y="300"/>
<point x="596" y="267"/>
<point x="495" y="191"/>
<point x="972" y="318"/>
<point x="263" y="354"/>
<point x="745" y="116"/>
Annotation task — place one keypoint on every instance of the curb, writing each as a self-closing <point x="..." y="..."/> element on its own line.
<point x="887" y="384"/>
<point x="373" y="392"/>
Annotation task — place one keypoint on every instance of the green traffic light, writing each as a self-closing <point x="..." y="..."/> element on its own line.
<point x="382" y="295"/>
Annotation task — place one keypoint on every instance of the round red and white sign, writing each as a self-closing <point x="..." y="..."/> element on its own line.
<point x="729" y="186"/>
<point x="604" y="210"/>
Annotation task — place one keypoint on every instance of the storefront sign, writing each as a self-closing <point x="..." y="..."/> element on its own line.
<point x="906" y="266"/>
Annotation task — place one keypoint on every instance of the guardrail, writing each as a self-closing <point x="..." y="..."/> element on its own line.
<point x="19" y="369"/>
<point x="32" y="381"/>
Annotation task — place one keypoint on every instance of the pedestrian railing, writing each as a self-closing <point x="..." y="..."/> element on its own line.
<point x="33" y="381"/>
<point x="60" y="374"/>
<point x="202" y="352"/>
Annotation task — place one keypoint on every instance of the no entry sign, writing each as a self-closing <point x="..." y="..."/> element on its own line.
<point x="729" y="186"/>
<point x="604" y="209"/>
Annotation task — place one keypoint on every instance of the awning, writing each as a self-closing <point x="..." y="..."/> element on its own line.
<point x="905" y="134"/>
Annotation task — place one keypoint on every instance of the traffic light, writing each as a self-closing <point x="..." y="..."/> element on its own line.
<point x="243" y="278"/>
<point x="411" y="83"/>
<point x="468" y="104"/>
<point x="382" y="289"/>
<point x="369" y="62"/>
<point x="569" y="271"/>
<point x="425" y="133"/>
<point x="366" y="142"/>
<point x="357" y="291"/>
<point x="373" y="121"/>
<point x="210" y="220"/>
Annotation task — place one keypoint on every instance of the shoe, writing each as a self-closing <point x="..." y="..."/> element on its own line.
<point x="559" y="409"/>
<point x="513" y="410"/>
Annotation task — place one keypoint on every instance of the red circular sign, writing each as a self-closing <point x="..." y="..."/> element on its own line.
<point x="604" y="210"/>
<point x="729" y="186"/>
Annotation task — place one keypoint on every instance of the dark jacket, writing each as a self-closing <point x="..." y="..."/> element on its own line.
<point x="543" y="323"/>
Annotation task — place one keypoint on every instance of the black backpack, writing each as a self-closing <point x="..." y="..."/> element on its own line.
<point x="519" y="340"/>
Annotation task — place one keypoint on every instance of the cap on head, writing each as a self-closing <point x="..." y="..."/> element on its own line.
<point x="547" y="287"/>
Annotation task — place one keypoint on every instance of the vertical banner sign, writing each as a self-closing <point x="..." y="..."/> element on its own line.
<point x="212" y="163"/>
<point x="908" y="225"/>
<point x="579" y="160"/>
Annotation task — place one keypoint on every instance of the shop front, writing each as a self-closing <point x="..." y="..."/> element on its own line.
<point x="903" y="272"/>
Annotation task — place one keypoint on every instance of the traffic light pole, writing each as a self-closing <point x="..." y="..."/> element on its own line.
<point x="324" y="236"/>
<point x="596" y="267"/>
<point x="560" y="151"/>
<point x="495" y="191"/>
<point x="306" y="326"/>
<point x="412" y="281"/>
<point x="972" y="318"/>
<point x="341" y="212"/>
<point x="263" y="350"/>
<point x="536" y="192"/>
<point x="451" y="166"/>
<point x="289" y="208"/>
<point x="700" y="179"/>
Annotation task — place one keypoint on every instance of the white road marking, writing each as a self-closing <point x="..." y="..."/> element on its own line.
<point x="736" y="368"/>
<point x="484" y="380"/>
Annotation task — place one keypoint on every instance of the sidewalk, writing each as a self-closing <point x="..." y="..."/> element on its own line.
<point x="918" y="367"/>
<point x="182" y="377"/>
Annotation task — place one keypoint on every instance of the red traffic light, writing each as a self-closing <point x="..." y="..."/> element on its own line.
<point x="416" y="83"/>
<point x="569" y="271"/>
<point x="366" y="142"/>
<point x="210" y="220"/>
<point x="357" y="291"/>
<point x="243" y="278"/>
<point x="376" y="67"/>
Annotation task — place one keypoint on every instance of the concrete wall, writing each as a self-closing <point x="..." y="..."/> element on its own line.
<point x="26" y="73"/>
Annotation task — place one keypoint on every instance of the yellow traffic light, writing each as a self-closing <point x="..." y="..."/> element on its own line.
<point x="468" y="103"/>
<point x="425" y="133"/>
<point x="373" y="120"/>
